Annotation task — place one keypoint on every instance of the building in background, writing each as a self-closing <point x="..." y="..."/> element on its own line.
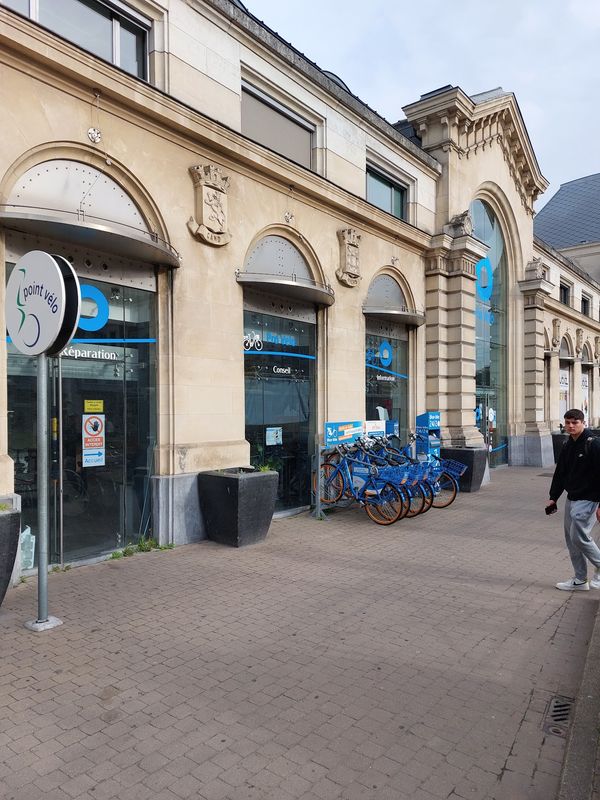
<point x="259" y="253"/>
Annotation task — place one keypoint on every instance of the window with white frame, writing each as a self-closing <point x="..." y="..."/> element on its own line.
<point x="111" y="30"/>
<point x="274" y="125"/>
<point x="386" y="194"/>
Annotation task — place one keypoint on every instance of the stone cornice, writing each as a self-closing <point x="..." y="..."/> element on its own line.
<point x="571" y="315"/>
<point x="454" y="256"/>
<point x="29" y="48"/>
<point x="451" y="122"/>
<point x="254" y="28"/>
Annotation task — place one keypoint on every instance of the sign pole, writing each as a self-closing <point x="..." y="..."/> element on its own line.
<point x="42" y="485"/>
<point x="42" y="306"/>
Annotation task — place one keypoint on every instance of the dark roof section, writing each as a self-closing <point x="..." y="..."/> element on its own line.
<point x="572" y="216"/>
<point x="406" y="128"/>
<point x="271" y="39"/>
<point x="337" y="79"/>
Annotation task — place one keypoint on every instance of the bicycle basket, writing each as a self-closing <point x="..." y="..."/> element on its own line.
<point x="454" y="468"/>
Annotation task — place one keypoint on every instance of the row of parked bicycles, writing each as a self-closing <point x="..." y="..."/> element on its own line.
<point x="385" y="480"/>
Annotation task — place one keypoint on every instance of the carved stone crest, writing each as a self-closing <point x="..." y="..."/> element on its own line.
<point x="210" y="221"/>
<point x="555" y="332"/>
<point x="460" y="225"/>
<point x="579" y="341"/>
<point x="348" y="273"/>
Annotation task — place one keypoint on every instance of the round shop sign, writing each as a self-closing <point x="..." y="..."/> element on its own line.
<point x="42" y="305"/>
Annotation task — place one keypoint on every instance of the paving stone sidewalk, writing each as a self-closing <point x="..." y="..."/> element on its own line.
<point x="339" y="659"/>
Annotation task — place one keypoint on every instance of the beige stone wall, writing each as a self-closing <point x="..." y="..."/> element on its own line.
<point x="151" y="142"/>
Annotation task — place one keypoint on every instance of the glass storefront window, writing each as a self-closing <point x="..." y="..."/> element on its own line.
<point x="387" y="380"/>
<point x="280" y="371"/>
<point x="109" y="367"/>
<point x="490" y="335"/>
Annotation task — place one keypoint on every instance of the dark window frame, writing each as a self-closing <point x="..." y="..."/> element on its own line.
<point x="121" y="16"/>
<point x="564" y="293"/>
<point x="398" y="191"/>
<point x="586" y="305"/>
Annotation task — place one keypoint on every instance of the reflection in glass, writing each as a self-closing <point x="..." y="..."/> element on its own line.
<point x="87" y="24"/>
<point x="106" y="506"/>
<point x="387" y="380"/>
<point x="490" y="334"/>
<point x="279" y="361"/>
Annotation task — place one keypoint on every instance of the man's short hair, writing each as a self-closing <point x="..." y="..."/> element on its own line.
<point x="575" y="413"/>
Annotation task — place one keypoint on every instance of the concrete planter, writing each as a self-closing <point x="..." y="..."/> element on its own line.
<point x="237" y="504"/>
<point x="10" y="527"/>
<point x="476" y="460"/>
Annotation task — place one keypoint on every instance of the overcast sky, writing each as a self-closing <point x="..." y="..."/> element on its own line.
<point x="389" y="53"/>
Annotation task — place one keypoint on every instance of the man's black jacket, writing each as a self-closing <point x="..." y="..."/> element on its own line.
<point x="578" y="470"/>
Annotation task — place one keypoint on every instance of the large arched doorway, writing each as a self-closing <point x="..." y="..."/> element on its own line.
<point x="491" y="408"/>
<point x="389" y="319"/>
<point x="73" y="209"/>
<point x="281" y="300"/>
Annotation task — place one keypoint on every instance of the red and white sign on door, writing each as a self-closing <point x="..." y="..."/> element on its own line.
<point x="93" y="440"/>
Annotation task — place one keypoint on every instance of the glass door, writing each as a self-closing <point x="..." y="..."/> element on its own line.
<point x="279" y="361"/>
<point x="486" y="419"/>
<point x="108" y="371"/>
<point x="92" y="494"/>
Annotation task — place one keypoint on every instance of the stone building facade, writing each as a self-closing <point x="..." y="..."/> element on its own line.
<point x="261" y="253"/>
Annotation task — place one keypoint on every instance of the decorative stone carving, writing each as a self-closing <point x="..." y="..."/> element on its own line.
<point x="348" y="273"/>
<point x="460" y="225"/>
<point x="395" y="261"/>
<point x="578" y="341"/>
<point x="555" y="332"/>
<point x="288" y="217"/>
<point x="210" y="222"/>
<point x="597" y="346"/>
<point x="535" y="270"/>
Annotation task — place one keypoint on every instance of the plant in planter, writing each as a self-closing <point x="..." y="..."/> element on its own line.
<point x="10" y="528"/>
<point x="237" y="504"/>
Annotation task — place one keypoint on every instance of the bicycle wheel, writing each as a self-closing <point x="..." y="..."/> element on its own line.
<point x="331" y="483"/>
<point x="385" y="507"/>
<point x="417" y="500"/>
<point x="445" y="489"/>
<point x="428" y="494"/>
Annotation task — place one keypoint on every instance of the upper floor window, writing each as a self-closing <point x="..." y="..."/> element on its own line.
<point x="586" y="305"/>
<point x="110" y="30"/>
<point x="277" y="127"/>
<point x="385" y="194"/>
<point x="565" y="294"/>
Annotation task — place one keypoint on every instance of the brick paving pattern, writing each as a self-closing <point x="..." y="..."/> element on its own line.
<point x="338" y="660"/>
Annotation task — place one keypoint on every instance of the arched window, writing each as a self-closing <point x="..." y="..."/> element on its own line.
<point x="490" y="334"/>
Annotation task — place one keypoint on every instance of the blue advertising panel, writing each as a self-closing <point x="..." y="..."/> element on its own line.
<point x="343" y="432"/>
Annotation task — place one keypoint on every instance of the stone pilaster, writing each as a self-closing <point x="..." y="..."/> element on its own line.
<point x="554" y="404"/>
<point x="536" y="445"/>
<point x="450" y="335"/>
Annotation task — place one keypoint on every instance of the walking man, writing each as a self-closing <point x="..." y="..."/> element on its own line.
<point x="578" y="473"/>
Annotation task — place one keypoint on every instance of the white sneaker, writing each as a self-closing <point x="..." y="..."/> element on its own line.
<point x="595" y="582"/>
<point x="574" y="586"/>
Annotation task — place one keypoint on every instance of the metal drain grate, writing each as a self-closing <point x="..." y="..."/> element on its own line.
<point x="557" y="716"/>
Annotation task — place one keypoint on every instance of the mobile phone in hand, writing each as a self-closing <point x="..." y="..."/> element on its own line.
<point x="551" y="509"/>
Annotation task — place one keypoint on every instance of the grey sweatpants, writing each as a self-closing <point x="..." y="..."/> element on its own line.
<point x="580" y="516"/>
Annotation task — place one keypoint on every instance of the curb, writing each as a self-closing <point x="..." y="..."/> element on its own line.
<point x="581" y="751"/>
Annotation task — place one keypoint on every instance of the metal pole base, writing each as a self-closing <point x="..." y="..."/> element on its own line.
<point x="37" y="626"/>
